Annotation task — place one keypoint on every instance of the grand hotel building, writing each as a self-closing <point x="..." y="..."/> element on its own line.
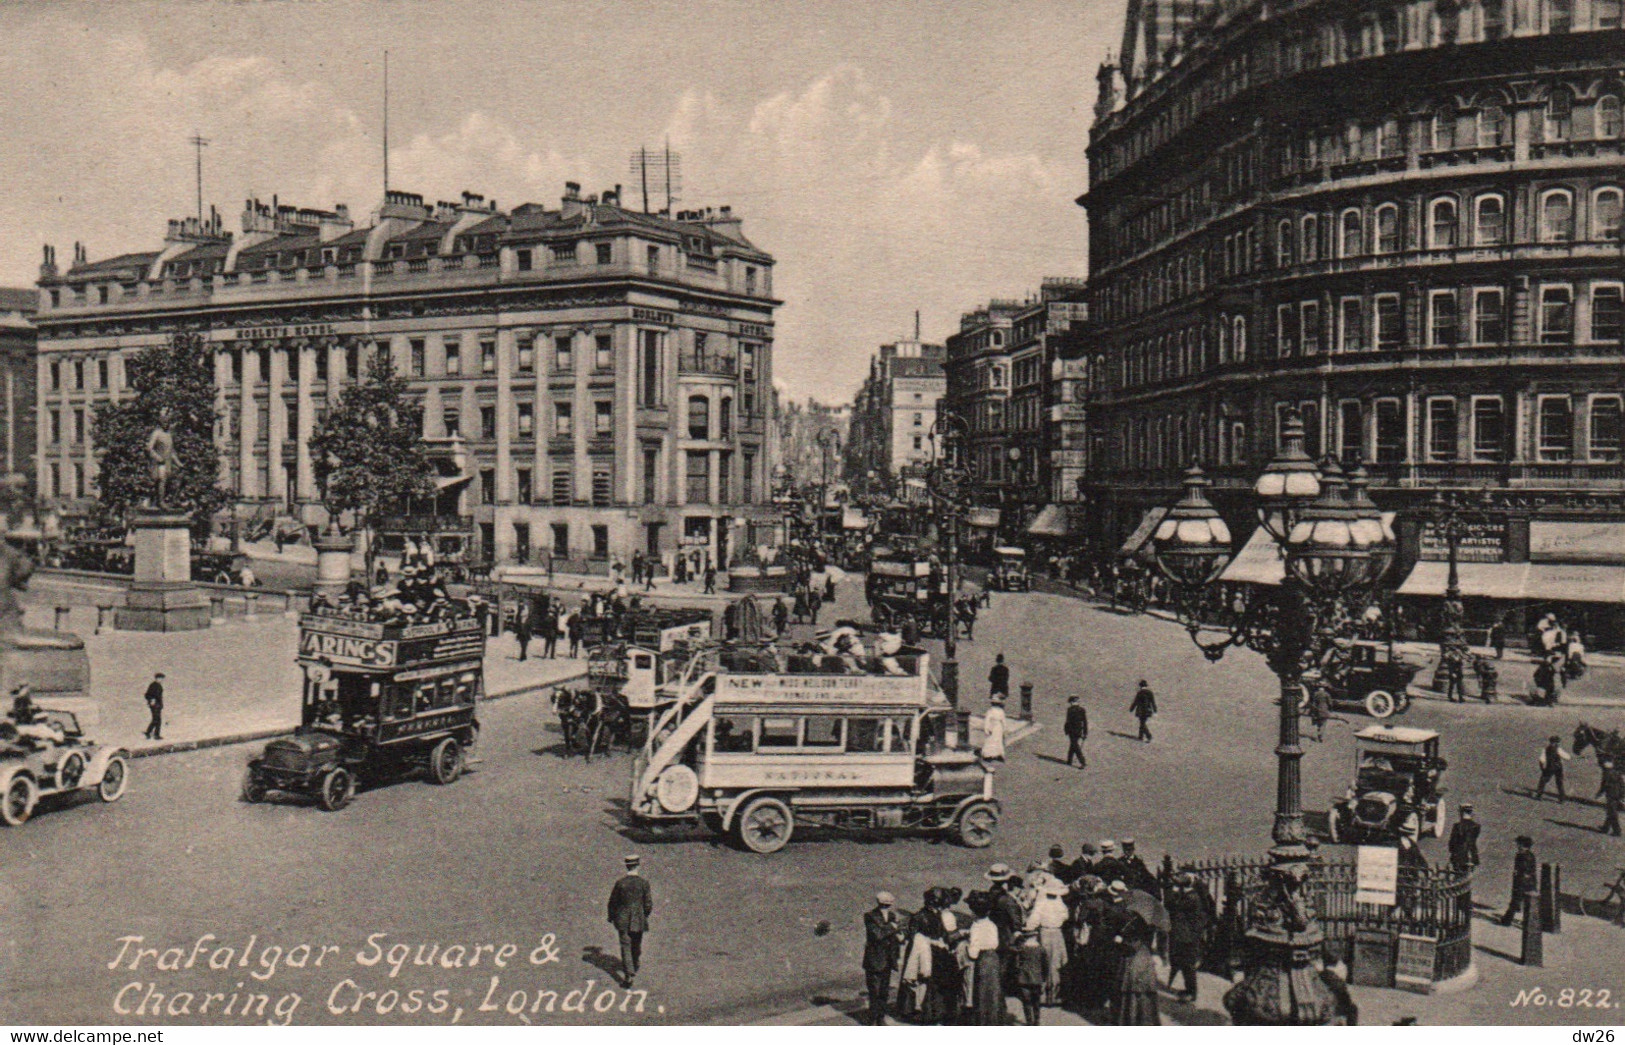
<point x="595" y="380"/>
<point x="1399" y="217"/>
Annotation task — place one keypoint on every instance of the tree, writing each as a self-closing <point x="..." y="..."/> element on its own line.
<point x="368" y="453"/>
<point x="171" y="386"/>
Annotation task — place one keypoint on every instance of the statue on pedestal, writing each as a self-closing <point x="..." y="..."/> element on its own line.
<point x="162" y="463"/>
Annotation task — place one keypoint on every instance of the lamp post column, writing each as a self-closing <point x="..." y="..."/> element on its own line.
<point x="950" y="644"/>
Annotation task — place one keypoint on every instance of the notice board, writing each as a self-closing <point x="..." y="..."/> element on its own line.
<point x="1414" y="964"/>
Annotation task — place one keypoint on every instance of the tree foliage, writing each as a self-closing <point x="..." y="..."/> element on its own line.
<point x="368" y="453"/>
<point x="171" y="385"/>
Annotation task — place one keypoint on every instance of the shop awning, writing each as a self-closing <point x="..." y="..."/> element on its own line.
<point x="1575" y="582"/>
<point x="1486" y="580"/>
<point x="1142" y="532"/>
<point x="1054" y="521"/>
<point x="1259" y="562"/>
<point x="986" y="518"/>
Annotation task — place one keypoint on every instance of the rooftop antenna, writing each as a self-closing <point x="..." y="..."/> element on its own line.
<point x="198" y="142"/>
<point x="386" y="123"/>
<point x="669" y="163"/>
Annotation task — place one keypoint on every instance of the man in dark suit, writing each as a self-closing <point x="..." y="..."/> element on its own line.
<point x="882" y="948"/>
<point x="1612" y="793"/>
<point x="522" y="624"/>
<point x="1143" y="707"/>
<point x="1523" y="876"/>
<point x="1077" y="730"/>
<point x="155" y="706"/>
<point x="630" y="904"/>
<point x="1464" y="841"/>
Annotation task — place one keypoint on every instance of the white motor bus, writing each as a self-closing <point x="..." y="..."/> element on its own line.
<point x="759" y="742"/>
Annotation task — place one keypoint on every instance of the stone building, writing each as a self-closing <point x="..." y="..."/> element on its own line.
<point x="17" y="383"/>
<point x="892" y="415"/>
<point x="595" y="380"/>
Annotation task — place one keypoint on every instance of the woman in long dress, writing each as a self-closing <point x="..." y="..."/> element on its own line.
<point x="944" y="994"/>
<point x="1137" y="984"/>
<point x="1046" y="918"/>
<point x="982" y="948"/>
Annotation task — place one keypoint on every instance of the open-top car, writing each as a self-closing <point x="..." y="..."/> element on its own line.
<point x="1396" y="787"/>
<point x="1366" y="675"/>
<point x="47" y="753"/>
<point x="1009" y="571"/>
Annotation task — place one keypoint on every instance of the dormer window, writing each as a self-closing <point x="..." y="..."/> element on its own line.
<point x="329" y="256"/>
<point x="397" y="250"/>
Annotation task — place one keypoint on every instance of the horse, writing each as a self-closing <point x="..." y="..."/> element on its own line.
<point x="1610" y="746"/>
<point x="572" y="710"/>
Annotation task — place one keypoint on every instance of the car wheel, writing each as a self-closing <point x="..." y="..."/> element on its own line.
<point x="17" y="800"/>
<point x="253" y="788"/>
<point x="71" y="771"/>
<point x="765" y="825"/>
<point x="115" y="779"/>
<point x="1334" y="825"/>
<point x="446" y="761"/>
<point x="977" y="825"/>
<point x="1379" y="703"/>
<point x="338" y="787"/>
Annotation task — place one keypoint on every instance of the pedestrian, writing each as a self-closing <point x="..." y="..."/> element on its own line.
<point x="1076" y="729"/>
<point x="1143" y="707"/>
<point x="998" y="680"/>
<point x="1032" y="966"/>
<point x="970" y="618"/>
<point x="710" y="578"/>
<point x="155" y="705"/>
<point x="1134" y="872"/>
<point x="1463" y="844"/>
<point x="1137" y="982"/>
<point x="1190" y="917"/>
<point x="882" y="948"/>
<point x="1454" y="691"/>
<point x="1498" y="638"/>
<point x="637" y="568"/>
<point x="649" y="574"/>
<point x="993" y="730"/>
<point x="1523" y="877"/>
<point x="550" y="631"/>
<point x="1046" y="921"/>
<point x="829" y="587"/>
<point x="982" y="949"/>
<point x="630" y="904"/>
<point x="576" y="629"/>
<point x="1612" y="792"/>
<point x="799" y="604"/>
<point x="1552" y="758"/>
<point x="522" y="626"/>
<point x="781" y="615"/>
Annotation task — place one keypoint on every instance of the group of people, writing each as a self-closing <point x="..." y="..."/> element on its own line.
<point x="1560" y="657"/>
<point x="417" y="596"/>
<point x="1078" y="934"/>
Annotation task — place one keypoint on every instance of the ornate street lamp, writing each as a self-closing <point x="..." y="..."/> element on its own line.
<point x="1335" y="548"/>
<point x="946" y="482"/>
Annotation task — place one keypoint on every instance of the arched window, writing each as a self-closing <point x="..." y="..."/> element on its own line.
<point x="1283" y="243"/>
<point x="1387" y="238"/>
<point x="1442" y="223"/>
<point x="1492" y="124"/>
<point x="1311" y="238"/>
<point x="1556" y="216"/>
<point x="1489" y="220"/>
<point x="699" y="417"/>
<point x="1608" y="116"/>
<point x="1352" y="234"/>
<point x="1605" y="213"/>
<point x="1224" y="341"/>
<point x="1238" y="336"/>
<point x="1559" y="122"/>
<point x="1444" y="129"/>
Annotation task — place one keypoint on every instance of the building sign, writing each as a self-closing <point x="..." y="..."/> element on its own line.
<point x="274" y="333"/>
<point x="652" y="315"/>
<point x="859" y="689"/>
<point x="754" y="330"/>
<point x="1481" y="541"/>
<point x="346" y="649"/>
<point x="1577" y="542"/>
<point x="360" y="629"/>
<point x="1376" y="871"/>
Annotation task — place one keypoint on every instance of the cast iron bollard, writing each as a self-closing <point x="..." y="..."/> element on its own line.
<point x="62" y="611"/>
<point x="1027" y="701"/>
<point x="1547" y="918"/>
<point x="250" y="599"/>
<point x="1557" y="898"/>
<point x="1533" y="942"/>
<point x="103" y="610"/>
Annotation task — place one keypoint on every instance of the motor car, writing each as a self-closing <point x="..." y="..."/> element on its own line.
<point x="1009" y="571"/>
<point x="1360" y="674"/>
<point x="1397" y="788"/>
<point x="50" y="755"/>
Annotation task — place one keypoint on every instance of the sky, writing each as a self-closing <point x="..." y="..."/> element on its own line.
<point x="892" y="155"/>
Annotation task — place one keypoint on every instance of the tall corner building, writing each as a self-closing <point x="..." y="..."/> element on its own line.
<point x="893" y="412"/>
<point x="596" y="380"/>
<point x="1398" y="217"/>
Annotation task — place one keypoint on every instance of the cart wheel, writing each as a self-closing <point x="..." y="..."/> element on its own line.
<point x="1379" y="703"/>
<point x="765" y="825"/>
<point x="253" y="790"/>
<point x="1334" y="825"/>
<point x="977" y="824"/>
<point x="17" y="801"/>
<point x="446" y="761"/>
<point x="337" y="788"/>
<point x="115" y="779"/>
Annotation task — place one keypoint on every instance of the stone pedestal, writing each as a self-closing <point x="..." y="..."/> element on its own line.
<point x="162" y="598"/>
<point x="333" y="563"/>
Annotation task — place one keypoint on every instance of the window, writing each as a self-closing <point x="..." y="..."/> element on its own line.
<point x="698" y="474"/>
<point x="1559" y="16"/>
<point x="488" y="357"/>
<point x="1351" y="325"/>
<point x="649" y="344"/>
<point x="917" y="443"/>
<point x="563" y="353"/>
<point x="1489" y="224"/>
<point x="1387" y="239"/>
<point x="1283" y="243"/>
<point x="750" y="279"/>
<point x="488" y="486"/>
<point x="1353" y="234"/>
<point x="451" y="419"/>
<point x="1442" y="224"/>
<point x="1492" y="125"/>
<point x="526" y="413"/>
<point x="1489" y="321"/>
<point x="1444" y="130"/>
<point x="1390" y="426"/>
<point x="1556" y="315"/>
<point x="1390" y="323"/>
<point x="1557" y="216"/>
<point x="1606" y="430"/>
<point x="1607" y="313"/>
<point x="1350" y="432"/>
<point x="488" y="422"/>
<point x="526" y="352"/>
<point x="602" y="253"/>
<point x="522" y="488"/>
<point x="1605" y="211"/>
<point x="724" y="474"/>
<point x="699" y="417"/>
<point x="603" y="353"/>
<point x="564" y="253"/>
<point x="778" y="733"/>
<point x="454" y="358"/>
<point x="417" y="357"/>
<point x="56" y="426"/>
<point x="78" y="374"/>
<point x="1606" y="13"/>
<point x="603" y="417"/>
<point x="522" y="259"/>
<point x="1608" y="112"/>
<point x="1311" y="238"/>
<point x="1489" y="429"/>
<point x="561" y="531"/>
<point x="725" y="418"/>
<point x="603" y="485"/>
<point x="1238" y="337"/>
<point x="747" y="477"/>
<point x="56" y="469"/>
<point x="1442" y="319"/>
<point x="1441" y="430"/>
<point x="564" y="418"/>
<point x="1559" y="122"/>
<point x="56" y="377"/>
<point x="651" y="474"/>
<point x="563" y="488"/>
<point x="653" y="256"/>
<point x="1286" y="323"/>
<point x="1309" y="327"/>
<point x="1555" y="429"/>
<point x="733" y="734"/>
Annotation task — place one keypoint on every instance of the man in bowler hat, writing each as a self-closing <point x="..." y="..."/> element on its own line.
<point x="630" y="904"/>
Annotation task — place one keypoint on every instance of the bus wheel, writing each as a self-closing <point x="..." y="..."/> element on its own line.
<point x="977" y="824"/>
<point x="446" y="761"/>
<point x="765" y="825"/>
<point x="338" y="787"/>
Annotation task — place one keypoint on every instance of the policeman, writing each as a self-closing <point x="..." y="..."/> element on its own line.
<point x="1464" y="841"/>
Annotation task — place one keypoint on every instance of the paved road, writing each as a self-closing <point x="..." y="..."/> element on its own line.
<point x="528" y="845"/>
